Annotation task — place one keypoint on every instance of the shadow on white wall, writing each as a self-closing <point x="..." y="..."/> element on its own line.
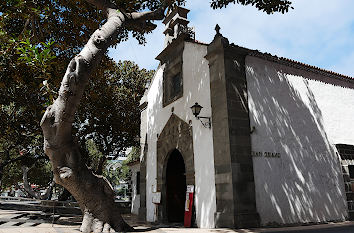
<point x="305" y="184"/>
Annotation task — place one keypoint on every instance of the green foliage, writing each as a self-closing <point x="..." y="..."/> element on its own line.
<point x="112" y="175"/>
<point x="268" y="6"/>
<point x="41" y="173"/>
<point x="125" y="173"/>
<point x="29" y="61"/>
<point x="68" y="22"/>
<point x="40" y="57"/>
<point x="31" y="68"/>
<point x="112" y="120"/>
<point x="27" y="87"/>
<point x="134" y="155"/>
<point x="55" y="19"/>
<point x="122" y="192"/>
<point x="12" y="175"/>
<point x="116" y="172"/>
<point x="94" y="155"/>
<point x="21" y="100"/>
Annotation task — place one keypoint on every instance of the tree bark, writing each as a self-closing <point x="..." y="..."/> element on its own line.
<point x="94" y="194"/>
<point x="1" y="174"/>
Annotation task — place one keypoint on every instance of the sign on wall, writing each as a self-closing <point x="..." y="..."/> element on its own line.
<point x="258" y="154"/>
<point x="156" y="198"/>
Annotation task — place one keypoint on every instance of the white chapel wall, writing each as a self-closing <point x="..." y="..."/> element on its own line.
<point x="296" y="114"/>
<point x="196" y="88"/>
<point x="135" y="196"/>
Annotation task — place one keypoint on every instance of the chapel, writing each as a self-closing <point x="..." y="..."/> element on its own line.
<point x="263" y="140"/>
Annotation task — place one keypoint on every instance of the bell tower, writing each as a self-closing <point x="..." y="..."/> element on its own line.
<point x="175" y="24"/>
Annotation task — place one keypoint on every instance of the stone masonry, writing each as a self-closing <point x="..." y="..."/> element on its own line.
<point x="234" y="179"/>
<point x="177" y="134"/>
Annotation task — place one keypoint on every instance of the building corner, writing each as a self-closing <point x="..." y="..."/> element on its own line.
<point x="234" y="178"/>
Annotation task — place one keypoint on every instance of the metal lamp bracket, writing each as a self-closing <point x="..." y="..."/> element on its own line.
<point x="206" y="123"/>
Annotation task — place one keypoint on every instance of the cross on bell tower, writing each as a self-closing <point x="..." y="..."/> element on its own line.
<point x="176" y="23"/>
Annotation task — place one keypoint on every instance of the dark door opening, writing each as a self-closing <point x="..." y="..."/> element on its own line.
<point x="346" y="153"/>
<point x="175" y="187"/>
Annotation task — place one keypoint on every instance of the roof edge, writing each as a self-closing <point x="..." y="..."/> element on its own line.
<point x="300" y="65"/>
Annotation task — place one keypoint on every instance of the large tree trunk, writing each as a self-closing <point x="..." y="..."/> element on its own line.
<point x="1" y="174"/>
<point x="94" y="194"/>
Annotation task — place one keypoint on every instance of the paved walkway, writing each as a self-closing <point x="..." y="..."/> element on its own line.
<point x="13" y="221"/>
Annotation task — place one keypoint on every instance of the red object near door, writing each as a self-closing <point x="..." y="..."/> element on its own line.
<point x="188" y="206"/>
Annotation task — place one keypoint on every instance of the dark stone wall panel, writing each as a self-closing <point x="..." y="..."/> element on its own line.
<point x="234" y="179"/>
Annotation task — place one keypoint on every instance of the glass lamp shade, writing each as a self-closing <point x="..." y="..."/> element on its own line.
<point x="196" y="108"/>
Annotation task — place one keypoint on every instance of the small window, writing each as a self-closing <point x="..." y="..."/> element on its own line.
<point x="351" y="171"/>
<point x="176" y="84"/>
<point x="172" y="84"/>
<point x="137" y="183"/>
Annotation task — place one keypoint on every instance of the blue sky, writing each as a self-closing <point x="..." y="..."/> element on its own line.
<point x="316" y="32"/>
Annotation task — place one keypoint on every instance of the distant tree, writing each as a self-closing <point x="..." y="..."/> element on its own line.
<point x="29" y="169"/>
<point x="31" y="65"/>
<point x="38" y="180"/>
<point x="134" y="155"/>
<point x="113" y="173"/>
<point x="21" y="102"/>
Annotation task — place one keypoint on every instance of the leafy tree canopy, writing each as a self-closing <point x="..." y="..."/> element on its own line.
<point x="268" y="6"/>
<point x="37" y="40"/>
<point x="112" y="120"/>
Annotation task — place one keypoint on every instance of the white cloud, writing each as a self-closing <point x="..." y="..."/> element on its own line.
<point x="317" y="32"/>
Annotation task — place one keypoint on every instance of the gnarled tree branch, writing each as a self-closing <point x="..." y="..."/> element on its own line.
<point x="94" y="194"/>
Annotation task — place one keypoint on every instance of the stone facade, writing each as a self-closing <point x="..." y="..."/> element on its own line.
<point x="177" y="134"/>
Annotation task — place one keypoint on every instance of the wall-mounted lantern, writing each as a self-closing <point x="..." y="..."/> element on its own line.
<point x="196" y="108"/>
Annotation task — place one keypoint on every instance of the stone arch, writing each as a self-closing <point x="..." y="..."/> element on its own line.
<point x="177" y="134"/>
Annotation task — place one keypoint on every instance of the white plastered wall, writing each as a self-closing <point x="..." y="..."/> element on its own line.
<point x="196" y="88"/>
<point x="135" y="197"/>
<point x="298" y="115"/>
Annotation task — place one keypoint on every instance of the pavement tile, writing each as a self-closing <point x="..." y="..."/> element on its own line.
<point x="30" y="226"/>
<point x="7" y="225"/>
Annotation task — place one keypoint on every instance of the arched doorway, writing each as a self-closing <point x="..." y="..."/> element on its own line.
<point x="175" y="137"/>
<point x="175" y="187"/>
